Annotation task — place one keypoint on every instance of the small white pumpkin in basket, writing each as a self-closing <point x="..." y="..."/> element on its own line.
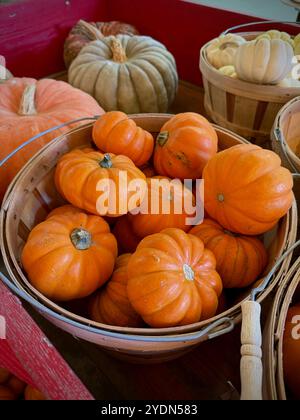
<point x="274" y="34"/>
<point x="264" y="61"/>
<point x="221" y="51"/>
<point x="228" y="71"/>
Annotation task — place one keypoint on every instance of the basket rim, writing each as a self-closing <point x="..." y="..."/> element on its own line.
<point x="290" y="218"/>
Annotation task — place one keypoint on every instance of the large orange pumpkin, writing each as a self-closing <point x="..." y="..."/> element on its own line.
<point x="173" y="280"/>
<point x="240" y="259"/>
<point x="80" y="172"/>
<point x="111" y="305"/>
<point x="115" y="133"/>
<point x="184" y="146"/>
<point x="33" y="394"/>
<point x="247" y="190"/>
<point x="6" y="394"/>
<point x="170" y="211"/>
<point x="70" y="255"/>
<point x="28" y="107"/>
<point x="291" y="350"/>
<point x="127" y="240"/>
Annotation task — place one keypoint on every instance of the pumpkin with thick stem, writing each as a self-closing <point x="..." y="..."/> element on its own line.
<point x="28" y="107"/>
<point x="70" y="255"/>
<point x="171" y="198"/>
<point x="85" y="32"/>
<point x="173" y="280"/>
<point x="184" y="146"/>
<point x="111" y="305"/>
<point x="247" y="191"/>
<point x="240" y="259"/>
<point x="291" y="350"/>
<point x="129" y="74"/>
<point x="99" y="183"/>
<point x="115" y="132"/>
<point x="127" y="240"/>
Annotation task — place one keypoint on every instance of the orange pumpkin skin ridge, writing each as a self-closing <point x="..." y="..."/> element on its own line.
<point x="56" y="267"/>
<point x="291" y="353"/>
<point x="240" y="259"/>
<point x="111" y="305"/>
<point x="172" y="280"/>
<point x="79" y="172"/>
<point x="54" y="102"/>
<point x="148" y="224"/>
<point x="192" y="142"/>
<point x="247" y="190"/>
<point x="115" y="133"/>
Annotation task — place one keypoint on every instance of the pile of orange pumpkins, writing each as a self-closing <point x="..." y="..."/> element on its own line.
<point x="12" y="388"/>
<point x="155" y="269"/>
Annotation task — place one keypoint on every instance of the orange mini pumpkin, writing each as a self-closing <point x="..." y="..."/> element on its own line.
<point x="4" y="375"/>
<point x="33" y="394"/>
<point x="70" y="255"/>
<point x="184" y="146"/>
<point x="6" y="394"/>
<point x="171" y="197"/>
<point x="98" y="183"/>
<point x="240" y="259"/>
<point x="115" y="132"/>
<point x="173" y="280"/>
<point x="247" y="190"/>
<point x="291" y="350"/>
<point x="111" y="305"/>
<point x="127" y="240"/>
<point x="16" y="385"/>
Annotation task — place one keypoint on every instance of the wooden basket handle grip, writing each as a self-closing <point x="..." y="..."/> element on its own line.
<point x="251" y="361"/>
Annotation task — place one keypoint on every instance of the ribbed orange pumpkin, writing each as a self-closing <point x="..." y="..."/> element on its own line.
<point x="6" y="394"/>
<point x="84" y="32"/>
<point x="291" y="350"/>
<point x="33" y="394"/>
<point x="70" y="255"/>
<point x="173" y="280"/>
<point x="184" y="146"/>
<point x="127" y="240"/>
<point x="240" y="259"/>
<point x="79" y="173"/>
<point x="111" y="305"/>
<point x="28" y="107"/>
<point x="170" y="211"/>
<point x="247" y="190"/>
<point x="115" y="133"/>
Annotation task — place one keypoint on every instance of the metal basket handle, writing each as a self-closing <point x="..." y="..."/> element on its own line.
<point x="267" y="22"/>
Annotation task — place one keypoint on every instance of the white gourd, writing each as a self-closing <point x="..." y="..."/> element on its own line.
<point x="264" y="61"/>
<point x="228" y="71"/>
<point x="274" y="34"/>
<point x="4" y="72"/>
<point x="222" y="50"/>
<point x="130" y="74"/>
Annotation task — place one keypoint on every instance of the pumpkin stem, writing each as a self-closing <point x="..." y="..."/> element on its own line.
<point x="81" y="239"/>
<point x="188" y="272"/>
<point x="106" y="162"/>
<point x="119" y="54"/>
<point x="221" y="198"/>
<point x="162" y="138"/>
<point x="91" y="31"/>
<point x="27" y="104"/>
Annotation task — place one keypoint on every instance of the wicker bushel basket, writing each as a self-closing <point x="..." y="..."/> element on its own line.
<point x="31" y="197"/>
<point x="286" y="135"/>
<point x="274" y="383"/>
<point x="245" y="108"/>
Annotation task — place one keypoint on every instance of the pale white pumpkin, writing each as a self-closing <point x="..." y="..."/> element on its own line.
<point x="221" y="51"/>
<point x="4" y="72"/>
<point x="264" y="61"/>
<point x="274" y="34"/>
<point x="297" y="44"/>
<point x="228" y="71"/>
<point x="130" y="74"/>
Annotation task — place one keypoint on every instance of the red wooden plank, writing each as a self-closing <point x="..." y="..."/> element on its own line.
<point x="35" y="355"/>
<point x="32" y="33"/>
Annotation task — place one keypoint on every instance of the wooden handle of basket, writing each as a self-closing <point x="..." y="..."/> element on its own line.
<point x="251" y="361"/>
